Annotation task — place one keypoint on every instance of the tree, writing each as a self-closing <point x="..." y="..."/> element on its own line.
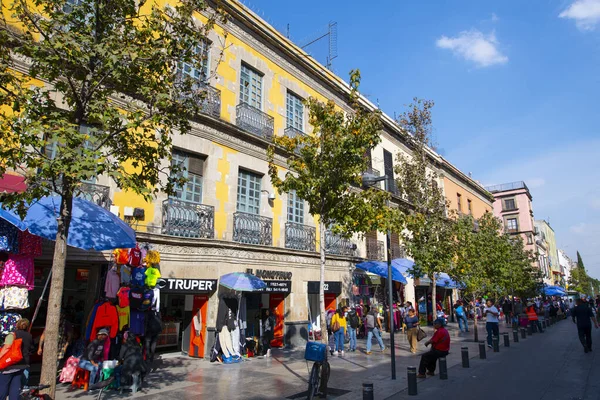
<point x="579" y="279"/>
<point x="517" y="273"/>
<point x="325" y="170"/>
<point x="428" y="233"/>
<point x="101" y="95"/>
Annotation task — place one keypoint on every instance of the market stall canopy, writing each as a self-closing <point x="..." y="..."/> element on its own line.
<point x="381" y="268"/>
<point x="444" y="280"/>
<point x="10" y="183"/>
<point x="554" y="291"/>
<point x="92" y="227"/>
<point x="242" y="282"/>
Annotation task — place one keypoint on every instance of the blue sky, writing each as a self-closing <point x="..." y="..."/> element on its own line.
<point x="516" y="85"/>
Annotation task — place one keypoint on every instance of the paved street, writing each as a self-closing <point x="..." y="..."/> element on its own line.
<point x="564" y="373"/>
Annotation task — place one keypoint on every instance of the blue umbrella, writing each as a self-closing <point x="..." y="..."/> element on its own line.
<point x="554" y="291"/>
<point x="380" y="268"/>
<point x="445" y="281"/>
<point x="92" y="227"/>
<point x="242" y="282"/>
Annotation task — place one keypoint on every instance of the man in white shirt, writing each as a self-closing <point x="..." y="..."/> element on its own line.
<point x="491" y="325"/>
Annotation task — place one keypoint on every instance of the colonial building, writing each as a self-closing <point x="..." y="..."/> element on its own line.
<point x="543" y="227"/>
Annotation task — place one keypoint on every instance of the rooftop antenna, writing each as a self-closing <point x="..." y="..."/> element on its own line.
<point x="331" y="35"/>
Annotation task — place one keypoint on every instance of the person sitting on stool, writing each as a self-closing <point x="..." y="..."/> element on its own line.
<point x="440" y="345"/>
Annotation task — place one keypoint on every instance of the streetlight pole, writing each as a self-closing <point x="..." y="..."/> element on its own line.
<point x="368" y="180"/>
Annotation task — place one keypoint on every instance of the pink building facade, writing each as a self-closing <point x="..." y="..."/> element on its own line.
<point x="512" y="204"/>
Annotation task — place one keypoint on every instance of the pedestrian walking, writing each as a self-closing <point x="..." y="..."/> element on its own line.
<point x="461" y="316"/>
<point x="373" y="323"/>
<point x="338" y="327"/>
<point x="353" y="325"/>
<point x="11" y="377"/>
<point x="268" y="326"/>
<point x="491" y="325"/>
<point x="440" y="346"/>
<point x="584" y="315"/>
<point x="532" y="316"/>
<point x="412" y="325"/>
<point x="507" y="310"/>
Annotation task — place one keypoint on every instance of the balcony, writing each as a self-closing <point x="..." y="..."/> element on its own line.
<point x="208" y="97"/>
<point x="254" y="121"/>
<point x="337" y="245"/>
<point x="187" y="219"/>
<point x="252" y="229"/>
<point x="97" y="194"/>
<point x="505" y="187"/>
<point x="300" y="237"/>
<point x="398" y="251"/>
<point x="375" y="250"/>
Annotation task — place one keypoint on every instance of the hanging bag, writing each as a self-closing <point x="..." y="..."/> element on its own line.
<point x="13" y="355"/>
<point x="421" y="334"/>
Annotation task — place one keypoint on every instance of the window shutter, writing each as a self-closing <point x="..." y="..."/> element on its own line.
<point x="196" y="164"/>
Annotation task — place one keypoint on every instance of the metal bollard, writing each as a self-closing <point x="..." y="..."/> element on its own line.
<point x="534" y="326"/>
<point x="443" y="368"/>
<point x="516" y="336"/>
<point x="523" y="333"/>
<point x="465" y="356"/>
<point x="368" y="391"/>
<point x="482" y="350"/>
<point x="545" y="324"/>
<point x="506" y="341"/>
<point x="412" y="381"/>
<point x="496" y="344"/>
<point x="529" y="330"/>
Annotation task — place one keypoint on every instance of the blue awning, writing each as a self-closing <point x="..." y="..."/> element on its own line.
<point x="381" y="268"/>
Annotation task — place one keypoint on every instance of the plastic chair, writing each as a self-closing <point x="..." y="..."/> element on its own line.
<point x="81" y="379"/>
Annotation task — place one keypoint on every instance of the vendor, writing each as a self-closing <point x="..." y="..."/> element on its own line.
<point x="94" y="355"/>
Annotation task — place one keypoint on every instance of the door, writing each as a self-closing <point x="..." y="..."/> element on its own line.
<point x="276" y="304"/>
<point x="200" y="305"/>
<point x="330" y="301"/>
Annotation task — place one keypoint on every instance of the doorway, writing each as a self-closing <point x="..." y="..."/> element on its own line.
<point x="276" y="304"/>
<point x="198" y="342"/>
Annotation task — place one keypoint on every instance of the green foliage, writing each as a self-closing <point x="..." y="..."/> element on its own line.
<point x="428" y="237"/>
<point x="110" y="94"/>
<point x="579" y="280"/>
<point x="325" y="168"/>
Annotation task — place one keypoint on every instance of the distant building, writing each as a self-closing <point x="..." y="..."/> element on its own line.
<point x="542" y="227"/>
<point x="566" y="265"/>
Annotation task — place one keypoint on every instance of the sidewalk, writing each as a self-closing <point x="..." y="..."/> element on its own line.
<point x="285" y="374"/>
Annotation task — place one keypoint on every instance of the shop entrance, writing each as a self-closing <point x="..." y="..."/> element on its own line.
<point x="330" y="301"/>
<point x="276" y="304"/>
<point x="198" y="342"/>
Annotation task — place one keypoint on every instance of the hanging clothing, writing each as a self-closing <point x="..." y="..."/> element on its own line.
<point x="152" y="275"/>
<point x="121" y="256"/>
<point x="147" y="299"/>
<point x="18" y="271"/>
<point x="123" y="313"/>
<point x="243" y="316"/>
<point x="156" y="300"/>
<point x="137" y="322"/>
<point x="9" y="237"/>
<point x="125" y="275"/>
<point x="30" y="244"/>
<point x="106" y="317"/>
<point x="8" y="323"/>
<point x="135" y="256"/>
<point x="90" y="321"/>
<point x="112" y="283"/>
<point x="136" y="298"/>
<point x="123" y="296"/>
<point x="14" y="297"/>
<point x="138" y="276"/>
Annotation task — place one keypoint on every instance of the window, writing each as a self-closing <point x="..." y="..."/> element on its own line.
<point x="295" y="208"/>
<point x="251" y="87"/>
<point x="198" y="72"/>
<point x="512" y="225"/>
<point x="509" y="204"/>
<point x="51" y="149"/>
<point x="529" y="238"/>
<point x="470" y="206"/>
<point x="194" y="165"/>
<point x="248" y="192"/>
<point x="295" y="112"/>
<point x="388" y="167"/>
<point x="459" y="202"/>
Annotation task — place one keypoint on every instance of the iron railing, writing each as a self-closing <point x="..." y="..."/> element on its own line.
<point x="398" y="251"/>
<point x="252" y="229"/>
<point x="335" y="244"/>
<point x="208" y="97"/>
<point x="97" y="194"/>
<point x="254" y="121"/>
<point x="187" y="219"/>
<point x="293" y="133"/>
<point x="375" y="250"/>
<point x="300" y="237"/>
<point x="506" y="187"/>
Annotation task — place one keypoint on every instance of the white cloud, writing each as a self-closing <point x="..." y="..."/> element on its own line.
<point x="495" y="18"/>
<point x="578" y="229"/>
<point x="474" y="46"/>
<point x="586" y="14"/>
<point x="535" y="183"/>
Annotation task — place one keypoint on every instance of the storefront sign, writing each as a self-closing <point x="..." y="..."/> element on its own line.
<point x="328" y="287"/>
<point x="187" y="285"/>
<point x="273" y="275"/>
<point x="82" y="275"/>
<point x="277" y="287"/>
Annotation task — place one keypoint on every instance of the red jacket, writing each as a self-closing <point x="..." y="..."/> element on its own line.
<point x="106" y="317"/>
<point x="441" y="340"/>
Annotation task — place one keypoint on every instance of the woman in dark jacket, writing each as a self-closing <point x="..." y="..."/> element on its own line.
<point x="11" y="376"/>
<point x="268" y="327"/>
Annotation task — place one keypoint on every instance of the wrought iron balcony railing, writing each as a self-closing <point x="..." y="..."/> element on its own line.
<point x="300" y="237"/>
<point x="187" y="219"/>
<point x="254" y="121"/>
<point x="375" y="250"/>
<point x="208" y="97"/>
<point x="293" y="133"/>
<point x="335" y="244"/>
<point x="398" y="251"/>
<point x="252" y="229"/>
<point x="97" y="194"/>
